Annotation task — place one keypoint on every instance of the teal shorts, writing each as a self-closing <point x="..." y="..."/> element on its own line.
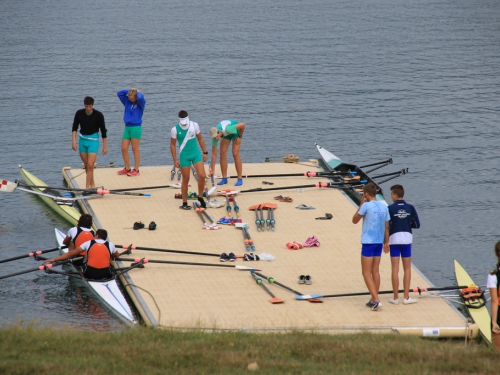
<point x="185" y="160"/>
<point x="233" y="132"/>
<point x="89" y="144"/>
<point x="132" y="132"/>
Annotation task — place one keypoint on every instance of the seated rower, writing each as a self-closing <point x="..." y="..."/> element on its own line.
<point x="80" y="234"/>
<point x="97" y="260"/>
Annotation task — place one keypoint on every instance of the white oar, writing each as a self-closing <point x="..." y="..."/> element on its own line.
<point x="189" y="263"/>
<point x="8" y="187"/>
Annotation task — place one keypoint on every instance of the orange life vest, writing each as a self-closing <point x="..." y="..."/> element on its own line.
<point x="81" y="237"/>
<point x="98" y="255"/>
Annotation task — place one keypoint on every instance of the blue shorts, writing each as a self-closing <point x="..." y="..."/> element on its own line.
<point x="89" y="144"/>
<point x="371" y="249"/>
<point x="132" y="132"/>
<point x="400" y="250"/>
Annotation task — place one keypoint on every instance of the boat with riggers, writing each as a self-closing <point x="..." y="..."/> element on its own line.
<point x="475" y="302"/>
<point x="53" y="198"/>
<point x="106" y="290"/>
<point x="349" y="173"/>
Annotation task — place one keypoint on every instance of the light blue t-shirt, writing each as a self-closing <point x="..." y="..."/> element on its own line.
<point x="375" y="214"/>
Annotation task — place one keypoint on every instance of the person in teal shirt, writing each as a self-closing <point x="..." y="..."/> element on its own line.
<point x="188" y="134"/>
<point x="227" y="131"/>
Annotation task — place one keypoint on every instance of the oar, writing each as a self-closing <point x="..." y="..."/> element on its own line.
<point x="172" y="173"/>
<point x="189" y="263"/>
<point x="213" y="188"/>
<point x="380" y="165"/>
<point x="394" y="175"/>
<point x="258" y="280"/>
<point x="415" y="290"/>
<point x="131" y="247"/>
<point x="176" y="186"/>
<point x="8" y="187"/>
<point x="32" y="254"/>
<point x="318" y="185"/>
<point x="305" y="174"/>
<point x="271" y="280"/>
<point x="104" y="191"/>
<point x="21" y="186"/>
<point x="43" y="267"/>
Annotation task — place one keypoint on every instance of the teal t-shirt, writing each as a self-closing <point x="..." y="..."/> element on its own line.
<point x="228" y="129"/>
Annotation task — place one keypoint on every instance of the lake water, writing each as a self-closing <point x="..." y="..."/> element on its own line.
<point x="366" y="79"/>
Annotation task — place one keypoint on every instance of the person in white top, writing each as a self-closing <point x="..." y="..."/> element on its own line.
<point x="187" y="134"/>
<point x="492" y="284"/>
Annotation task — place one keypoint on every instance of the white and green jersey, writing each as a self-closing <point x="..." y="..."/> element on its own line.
<point x="228" y="129"/>
<point x="186" y="136"/>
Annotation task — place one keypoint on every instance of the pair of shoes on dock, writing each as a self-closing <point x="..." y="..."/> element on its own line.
<point x="251" y="257"/>
<point x="228" y="220"/>
<point x="312" y="242"/>
<point x="224" y="257"/>
<point x="294" y="245"/>
<point x="283" y="199"/>
<point x="129" y="172"/>
<point x="408" y="301"/>
<point x="305" y="279"/>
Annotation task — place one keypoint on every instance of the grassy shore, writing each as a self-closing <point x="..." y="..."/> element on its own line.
<point x="153" y="351"/>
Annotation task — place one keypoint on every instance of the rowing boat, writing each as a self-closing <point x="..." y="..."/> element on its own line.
<point x="66" y="211"/>
<point x="107" y="290"/>
<point x="477" y="307"/>
<point x="332" y="163"/>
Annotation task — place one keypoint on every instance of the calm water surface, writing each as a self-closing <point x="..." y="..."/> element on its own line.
<point x="417" y="80"/>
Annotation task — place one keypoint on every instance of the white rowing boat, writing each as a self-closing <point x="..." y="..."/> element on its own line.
<point x="334" y="164"/>
<point x="477" y="309"/>
<point x="108" y="290"/>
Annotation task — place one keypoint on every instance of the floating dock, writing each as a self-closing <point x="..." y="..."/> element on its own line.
<point x="228" y="299"/>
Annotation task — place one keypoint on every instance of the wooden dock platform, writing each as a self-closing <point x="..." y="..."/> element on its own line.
<point x="212" y="298"/>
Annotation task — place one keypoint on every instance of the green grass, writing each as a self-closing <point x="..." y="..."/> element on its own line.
<point x="154" y="351"/>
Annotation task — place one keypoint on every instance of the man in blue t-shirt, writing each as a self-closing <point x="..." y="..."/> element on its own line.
<point x="403" y="218"/>
<point x="374" y="238"/>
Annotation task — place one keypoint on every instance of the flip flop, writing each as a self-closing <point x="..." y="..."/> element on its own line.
<point x="304" y="207"/>
<point x="279" y="197"/>
<point x="286" y="199"/>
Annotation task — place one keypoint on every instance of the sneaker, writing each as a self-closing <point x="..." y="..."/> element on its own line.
<point x="202" y="202"/>
<point x="214" y="203"/>
<point x="370" y="304"/>
<point x="394" y="301"/>
<point x="301" y="279"/>
<point x="124" y="171"/>
<point x="239" y="182"/>
<point x="377" y="306"/>
<point x="185" y="207"/>
<point x="222" y="182"/>
<point x="409" y="301"/>
<point x="308" y="280"/>
<point x="133" y="173"/>
<point x="224" y="257"/>
<point x="232" y="257"/>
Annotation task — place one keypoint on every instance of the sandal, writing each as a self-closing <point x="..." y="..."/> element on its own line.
<point x="286" y="199"/>
<point x="178" y="195"/>
<point x="279" y="197"/>
<point x="304" y="207"/>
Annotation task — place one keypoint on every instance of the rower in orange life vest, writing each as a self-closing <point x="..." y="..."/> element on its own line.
<point x="97" y="260"/>
<point x="80" y="234"/>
